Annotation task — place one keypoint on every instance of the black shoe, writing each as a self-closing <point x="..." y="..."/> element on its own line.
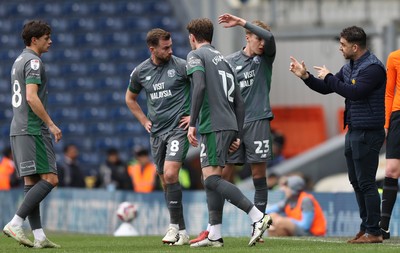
<point x="385" y="234"/>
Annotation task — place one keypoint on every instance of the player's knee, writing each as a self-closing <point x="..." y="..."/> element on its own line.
<point x="392" y="171"/>
<point x="170" y="177"/>
<point x="211" y="182"/>
<point x="51" y="178"/>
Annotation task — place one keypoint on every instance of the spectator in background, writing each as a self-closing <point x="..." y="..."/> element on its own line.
<point x="272" y="181"/>
<point x="278" y="142"/>
<point x="8" y="176"/>
<point x="303" y="215"/>
<point x="113" y="173"/>
<point x="143" y="172"/>
<point x="70" y="173"/>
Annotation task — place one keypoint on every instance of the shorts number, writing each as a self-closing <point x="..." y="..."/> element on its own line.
<point x="203" y="150"/>
<point x="16" y="97"/>
<point x="174" y="146"/>
<point x="228" y="88"/>
<point x="262" y="146"/>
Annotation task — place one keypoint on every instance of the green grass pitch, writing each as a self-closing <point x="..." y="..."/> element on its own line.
<point x="97" y="244"/>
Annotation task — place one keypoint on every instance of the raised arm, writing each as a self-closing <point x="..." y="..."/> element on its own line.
<point x="230" y="20"/>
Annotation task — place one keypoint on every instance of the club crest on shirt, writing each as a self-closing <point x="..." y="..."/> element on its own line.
<point x="35" y="64"/>
<point x="256" y="59"/>
<point x="148" y="78"/>
<point x="171" y="72"/>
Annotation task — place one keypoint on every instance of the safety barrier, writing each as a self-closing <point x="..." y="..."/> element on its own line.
<point x="93" y="211"/>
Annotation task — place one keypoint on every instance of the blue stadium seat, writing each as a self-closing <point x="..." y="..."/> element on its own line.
<point x="73" y="129"/>
<point x="132" y="127"/>
<point x="63" y="39"/>
<point x="138" y="23"/>
<point x="108" y="142"/>
<point x="10" y="40"/>
<point x="94" y="113"/>
<point x="25" y="9"/>
<point x="60" y="99"/>
<point x="65" y="113"/>
<point x="58" y="24"/>
<point x="116" y="97"/>
<point x="82" y="83"/>
<point x="112" y="83"/>
<point x="5" y="130"/>
<point x="52" y="9"/>
<point x="101" y="128"/>
<point x="5" y="98"/>
<point x="8" y="113"/>
<point x="88" y="98"/>
<point x="57" y="84"/>
<point x="5" y="86"/>
<point x="122" y="113"/>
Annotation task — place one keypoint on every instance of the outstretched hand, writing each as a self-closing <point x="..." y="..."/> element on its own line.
<point x="297" y="68"/>
<point x="230" y="20"/>
<point x="322" y="71"/>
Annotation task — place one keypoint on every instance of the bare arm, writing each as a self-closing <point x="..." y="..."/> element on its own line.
<point x="134" y="107"/>
<point x="38" y="108"/>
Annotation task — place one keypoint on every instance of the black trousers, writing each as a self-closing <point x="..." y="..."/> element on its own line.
<point x="362" y="156"/>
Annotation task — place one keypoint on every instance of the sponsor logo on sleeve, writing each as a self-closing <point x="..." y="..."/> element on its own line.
<point x="35" y="64"/>
<point x="194" y="62"/>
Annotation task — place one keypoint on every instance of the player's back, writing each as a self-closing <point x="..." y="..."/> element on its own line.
<point x="27" y="68"/>
<point x="217" y="111"/>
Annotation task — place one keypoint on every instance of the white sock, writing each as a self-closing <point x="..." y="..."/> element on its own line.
<point x="215" y="232"/>
<point x="255" y="214"/>
<point x="174" y="226"/>
<point x="208" y="227"/>
<point x="183" y="231"/>
<point x="17" y="221"/>
<point x="39" y="234"/>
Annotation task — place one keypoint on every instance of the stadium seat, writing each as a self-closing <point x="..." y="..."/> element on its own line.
<point x="122" y="113"/>
<point x="82" y="83"/>
<point x="133" y="128"/>
<point x="65" y="113"/>
<point x="73" y="129"/>
<point x="9" y="40"/>
<point x="101" y="128"/>
<point x="59" y="99"/>
<point x="94" y="113"/>
<point x="108" y="142"/>
<point x="5" y="98"/>
<point x="25" y="9"/>
<point x="88" y="98"/>
<point x="303" y="127"/>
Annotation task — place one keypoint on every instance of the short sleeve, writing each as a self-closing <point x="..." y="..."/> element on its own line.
<point x="194" y="63"/>
<point x="134" y="82"/>
<point x="32" y="71"/>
